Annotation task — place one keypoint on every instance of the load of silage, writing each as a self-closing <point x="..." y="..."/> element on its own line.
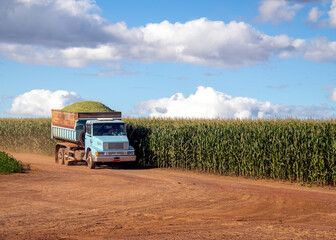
<point x="87" y="106"/>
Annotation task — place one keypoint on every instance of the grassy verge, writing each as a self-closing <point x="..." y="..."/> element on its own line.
<point x="8" y="164"/>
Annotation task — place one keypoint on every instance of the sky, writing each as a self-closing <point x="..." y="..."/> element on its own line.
<point x="170" y="58"/>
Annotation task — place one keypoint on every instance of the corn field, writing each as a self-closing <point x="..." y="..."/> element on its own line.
<point x="295" y="150"/>
<point x="26" y="135"/>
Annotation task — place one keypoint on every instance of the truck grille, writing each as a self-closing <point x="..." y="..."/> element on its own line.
<point x="112" y="146"/>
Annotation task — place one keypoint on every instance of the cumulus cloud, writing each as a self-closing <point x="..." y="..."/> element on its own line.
<point x="58" y="23"/>
<point x="318" y="50"/>
<point x="332" y="94"/>
<point x="314" y="15"/>
<point x="321" y="50"/>
<point x="39" y="102"/>
<point x="208" y="103"/>
<point x="71" y="33"/>
<point x="277" y="11"/>
<point x="231" y="45"/>
<point x="332" y="14"/>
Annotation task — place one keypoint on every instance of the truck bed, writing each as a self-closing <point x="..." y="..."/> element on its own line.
<point x="68" y="119"/>
<point x="63" y="133"/>
<point x="67" y="126"/>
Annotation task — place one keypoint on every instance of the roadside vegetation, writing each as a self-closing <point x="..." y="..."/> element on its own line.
<point x="295" y="150"/>
<point x="8" y="164"/>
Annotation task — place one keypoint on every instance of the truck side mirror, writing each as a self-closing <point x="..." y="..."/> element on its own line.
<point x="131" y="130"/>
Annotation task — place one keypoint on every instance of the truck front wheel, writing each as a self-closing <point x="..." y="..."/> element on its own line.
<point x="90" y="162"/>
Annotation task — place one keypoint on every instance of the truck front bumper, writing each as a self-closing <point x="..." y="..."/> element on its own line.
<point x="130" y="158"/>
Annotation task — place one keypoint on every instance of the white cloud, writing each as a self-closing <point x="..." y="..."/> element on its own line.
<point x="231" y="45"/>
<point x="321" y="50"/>
<point x="208" y="103"/>
<point x="277" y="11"/>
<point x="333" y="94"/>
<point x="58" y="23"/>
<point x="69" y="33"/>
<point x="318" y="50"/>
<point x="39" y="102"/>
<point x="332" y="14"/>
<point x="213" y="43"/>
<point x="314" y="15"/>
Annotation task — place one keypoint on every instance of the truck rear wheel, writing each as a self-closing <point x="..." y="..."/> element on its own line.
<point x="66" y="157"/>
<point x="91" y="164"/>
<point x="60" y="156"/>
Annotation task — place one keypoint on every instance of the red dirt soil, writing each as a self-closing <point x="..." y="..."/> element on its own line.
<point x="73" y="202"/>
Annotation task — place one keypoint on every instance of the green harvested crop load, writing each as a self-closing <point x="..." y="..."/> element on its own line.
<point x="87" y="106"/>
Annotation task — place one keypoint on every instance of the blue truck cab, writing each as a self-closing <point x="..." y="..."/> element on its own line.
<point x="93" y="138"/>
<point x="106" y="141"/>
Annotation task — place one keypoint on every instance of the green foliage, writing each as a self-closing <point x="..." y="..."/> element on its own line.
<point x="9" y="165"/>
<point x="87" y="106"/>
<point x="26" y="135"/>
<point x="294" y="150"/>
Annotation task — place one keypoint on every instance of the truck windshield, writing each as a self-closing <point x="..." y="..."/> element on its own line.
<point x="109" y="129"/>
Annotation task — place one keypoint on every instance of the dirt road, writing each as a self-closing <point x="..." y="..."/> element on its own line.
<point x="74" y="202"/>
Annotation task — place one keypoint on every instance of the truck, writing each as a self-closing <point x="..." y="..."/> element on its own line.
<point x="94" y="138"/>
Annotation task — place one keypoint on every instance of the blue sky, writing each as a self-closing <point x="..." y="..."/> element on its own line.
<point x="219" y="59"/>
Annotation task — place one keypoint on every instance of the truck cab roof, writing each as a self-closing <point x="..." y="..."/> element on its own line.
<point x="104" y="120"/>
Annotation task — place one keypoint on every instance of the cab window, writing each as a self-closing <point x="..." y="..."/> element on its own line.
<point x="109" y="129"/>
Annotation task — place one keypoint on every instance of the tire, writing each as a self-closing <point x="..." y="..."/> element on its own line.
<point x="82" y="137"/>
<point x="91" y="164"/>
<point x="56" y="156"/>
<point x="66" y="155"/>
<point x="60" y="156"/>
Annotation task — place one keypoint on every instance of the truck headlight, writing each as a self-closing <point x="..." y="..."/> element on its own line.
<point x="130" y="153"/>
<point x="102" y="153"/>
